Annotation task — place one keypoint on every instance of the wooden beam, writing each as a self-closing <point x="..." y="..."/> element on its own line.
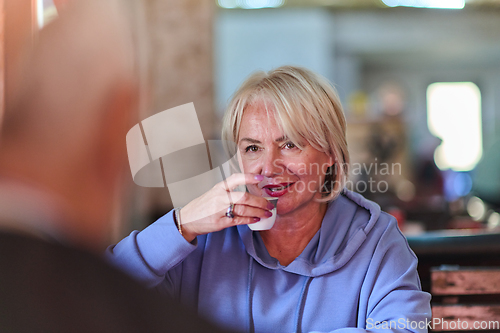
<point x="465" y="317"/>
<point x="466" y="281"/>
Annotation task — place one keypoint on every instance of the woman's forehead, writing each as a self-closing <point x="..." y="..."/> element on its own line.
<point x="258" y="120"/>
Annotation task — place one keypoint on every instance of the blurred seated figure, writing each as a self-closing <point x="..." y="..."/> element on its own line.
<point x="62" y="158"/>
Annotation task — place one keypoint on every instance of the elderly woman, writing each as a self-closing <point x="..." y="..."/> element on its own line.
<point x="331" y="261"/>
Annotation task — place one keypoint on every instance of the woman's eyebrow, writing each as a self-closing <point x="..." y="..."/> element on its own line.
<point x="250" y="140"/>
<point x="281" y="138"/>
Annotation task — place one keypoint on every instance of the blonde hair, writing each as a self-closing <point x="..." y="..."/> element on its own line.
<point x="306" y="106"/>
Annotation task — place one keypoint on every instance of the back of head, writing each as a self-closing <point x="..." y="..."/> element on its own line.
<point x="64" y="137"/>
<point x="79" y="95"/>
<point x="75" y="59"/>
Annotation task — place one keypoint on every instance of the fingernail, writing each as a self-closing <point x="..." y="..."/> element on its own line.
<point x="259" y="177"/>
<point x="270" y="206"/>
<point x="268" y="213"/>
<point x="256" y="219"/>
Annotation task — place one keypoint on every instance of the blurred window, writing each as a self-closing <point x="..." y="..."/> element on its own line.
<point x="447" y="4"/>
<point x="454" y="116"/>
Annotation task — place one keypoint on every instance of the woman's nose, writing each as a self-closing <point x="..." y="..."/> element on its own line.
<point x="271" y="164"/>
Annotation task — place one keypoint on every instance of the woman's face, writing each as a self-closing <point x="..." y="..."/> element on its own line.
<point x="293" y="175"/>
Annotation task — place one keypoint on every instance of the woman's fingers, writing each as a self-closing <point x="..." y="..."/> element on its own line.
<point x="244" y="220"/>
<point x="248" y="211"/>
<point x="238" y="179"/>
<point x="206" y="213"/>
<point x="245" y="198"/>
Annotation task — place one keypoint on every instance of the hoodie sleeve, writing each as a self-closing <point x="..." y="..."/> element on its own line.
<point x="153" y="255"/>
<point x="391" y="298"/>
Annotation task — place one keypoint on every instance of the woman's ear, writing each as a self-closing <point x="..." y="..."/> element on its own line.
<point x="332" y="159"/>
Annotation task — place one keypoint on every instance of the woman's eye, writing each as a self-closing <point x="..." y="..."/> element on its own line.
<point x="289" y="145"/>
<point x="252" y="148"/>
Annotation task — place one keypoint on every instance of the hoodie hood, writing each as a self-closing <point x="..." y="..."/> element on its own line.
<point x="350" y="215"/>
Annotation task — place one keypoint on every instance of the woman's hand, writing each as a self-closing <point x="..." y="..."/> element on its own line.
<point x="207" y="213"/>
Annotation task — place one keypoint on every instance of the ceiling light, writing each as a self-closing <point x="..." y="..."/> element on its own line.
<point x="447" y="4"/>
<point x="250" y="4"/>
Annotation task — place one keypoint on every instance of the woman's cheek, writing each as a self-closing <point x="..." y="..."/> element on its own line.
<point x="246" y="166"/>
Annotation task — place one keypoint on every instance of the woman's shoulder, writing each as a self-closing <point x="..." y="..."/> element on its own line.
<point x="366" y="213"/>
<point x="351" y="213"/>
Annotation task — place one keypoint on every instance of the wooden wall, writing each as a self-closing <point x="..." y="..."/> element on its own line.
<point x="180" y="72"/>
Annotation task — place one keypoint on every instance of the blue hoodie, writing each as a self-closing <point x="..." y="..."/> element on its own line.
<point x="357" y="274"/>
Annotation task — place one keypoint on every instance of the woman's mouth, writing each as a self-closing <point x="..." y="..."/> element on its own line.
<point x="277" y="190"/>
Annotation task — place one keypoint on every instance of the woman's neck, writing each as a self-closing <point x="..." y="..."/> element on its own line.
<point x="291" y="234"/>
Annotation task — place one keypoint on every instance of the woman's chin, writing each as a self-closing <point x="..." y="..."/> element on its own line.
<point x="284" y="207"/>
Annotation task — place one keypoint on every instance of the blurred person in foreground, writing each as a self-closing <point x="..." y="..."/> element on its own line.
<point x="332" y="261"/>
<point x="62" y="158"/>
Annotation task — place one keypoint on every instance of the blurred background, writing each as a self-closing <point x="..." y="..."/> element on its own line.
<point x="419" y="87"/>
<point x="419" y="81"/>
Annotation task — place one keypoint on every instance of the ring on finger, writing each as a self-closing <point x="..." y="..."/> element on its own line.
<point x="230" y="211"/>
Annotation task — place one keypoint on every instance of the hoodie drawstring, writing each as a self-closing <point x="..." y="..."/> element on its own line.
<point x="301" y="304"/>
<point x="251" y="328"/>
